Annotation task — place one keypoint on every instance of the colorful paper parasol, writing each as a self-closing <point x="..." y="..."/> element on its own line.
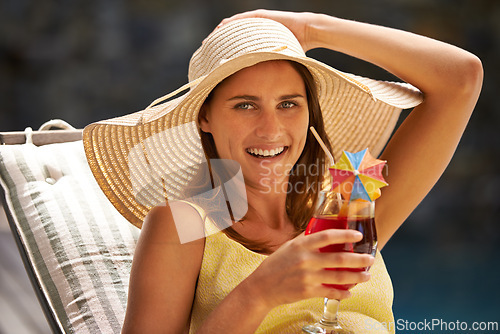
<point x="358" y="176"/>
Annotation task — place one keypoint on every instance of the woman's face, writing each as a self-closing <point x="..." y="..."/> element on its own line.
<point x="259" y="118"/>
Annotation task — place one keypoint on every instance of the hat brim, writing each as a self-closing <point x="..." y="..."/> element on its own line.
<point x="358" y="113"/>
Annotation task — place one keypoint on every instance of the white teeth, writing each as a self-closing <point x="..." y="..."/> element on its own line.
<point x="266" y="153"/>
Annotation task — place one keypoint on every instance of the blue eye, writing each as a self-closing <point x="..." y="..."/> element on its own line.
<point x="288" y="104"/>
<point x="244" y="106"/>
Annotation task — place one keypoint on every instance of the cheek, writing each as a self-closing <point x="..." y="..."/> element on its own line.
<point x="228" y="129"/>
<point x="302" y="128"/>
<point x="226" y="137"/>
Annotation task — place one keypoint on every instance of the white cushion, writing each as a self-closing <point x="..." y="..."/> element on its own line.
<point x="79" y="246"/>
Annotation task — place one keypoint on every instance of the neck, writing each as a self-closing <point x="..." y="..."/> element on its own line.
<point x="266" y="220"/>
<point x="268" y="209"/>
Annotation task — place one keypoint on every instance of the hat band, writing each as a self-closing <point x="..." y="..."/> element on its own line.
<point x="175" y="92"/>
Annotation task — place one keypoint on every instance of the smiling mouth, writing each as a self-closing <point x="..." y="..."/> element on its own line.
<point x="265" y="154"/>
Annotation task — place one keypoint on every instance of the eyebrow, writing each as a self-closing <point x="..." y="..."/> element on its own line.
<point x="255" y="98"/>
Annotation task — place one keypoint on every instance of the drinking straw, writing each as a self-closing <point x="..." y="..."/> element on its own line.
<point x="344" y="208"/>
<point x="323" y="146"/>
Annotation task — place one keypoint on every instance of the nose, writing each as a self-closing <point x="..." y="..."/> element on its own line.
<point x="269" y="126"/>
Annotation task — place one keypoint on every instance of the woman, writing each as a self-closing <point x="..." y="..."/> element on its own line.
<point x="259" y="116"/>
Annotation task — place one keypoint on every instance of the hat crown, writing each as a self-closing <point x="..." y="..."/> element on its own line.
<point x="242" y="37"/>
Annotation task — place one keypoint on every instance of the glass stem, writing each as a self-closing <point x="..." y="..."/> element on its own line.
<point x="329" y="317"/>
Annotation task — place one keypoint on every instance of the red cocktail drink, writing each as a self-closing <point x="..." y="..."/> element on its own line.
<point x="365" y="225"/>
<point x="356" y="182"/>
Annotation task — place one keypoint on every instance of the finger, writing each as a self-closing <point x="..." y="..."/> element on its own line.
<point x="321" y="291"/>
<point x="249" y="14"/>
<point x="342" y="260"/>
<point x="332" y="293"/>
<point x="232" y="18"/>
<point x="235" y="17"/>
<point x="332" y="236"/>
<point x="342" y="277"/>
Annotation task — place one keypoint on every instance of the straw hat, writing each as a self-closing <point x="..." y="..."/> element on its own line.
<point x="143" y="158"/>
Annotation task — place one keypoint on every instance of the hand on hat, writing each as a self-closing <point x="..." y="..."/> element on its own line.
<point x="298" y="23"/>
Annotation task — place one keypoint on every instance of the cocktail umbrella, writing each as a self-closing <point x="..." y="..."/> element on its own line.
<point x="358" y="176"/>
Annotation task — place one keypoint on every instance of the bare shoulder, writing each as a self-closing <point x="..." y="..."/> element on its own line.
<point x="163" y="242"/>
<point x="178" y="223"/>
<point x="164" y="272"/>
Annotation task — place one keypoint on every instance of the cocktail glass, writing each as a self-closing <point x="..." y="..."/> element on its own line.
<point x="333" y="212"/>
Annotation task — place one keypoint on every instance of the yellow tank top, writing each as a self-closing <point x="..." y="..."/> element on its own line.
<point x="226" y="263"/>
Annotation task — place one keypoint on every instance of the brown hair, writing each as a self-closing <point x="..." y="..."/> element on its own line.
<point x="307" y="175"/>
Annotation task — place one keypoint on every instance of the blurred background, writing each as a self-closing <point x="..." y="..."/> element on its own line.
<point x="86" y="60"/>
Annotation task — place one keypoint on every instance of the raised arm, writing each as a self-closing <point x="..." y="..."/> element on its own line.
<point x="449" y="77"/>
<point x="422" y="147"/>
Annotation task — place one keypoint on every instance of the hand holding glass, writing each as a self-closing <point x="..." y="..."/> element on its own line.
<point x="332" y="212"/>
